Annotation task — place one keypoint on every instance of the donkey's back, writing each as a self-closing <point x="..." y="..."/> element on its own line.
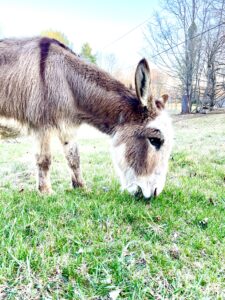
<point x="17" y="77"/>
<point x="32" y="82"/>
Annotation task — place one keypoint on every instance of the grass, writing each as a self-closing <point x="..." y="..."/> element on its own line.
<point x="100" y="244"/>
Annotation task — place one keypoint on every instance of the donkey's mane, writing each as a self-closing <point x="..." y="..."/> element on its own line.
<point x="108" y="97"/>
<point x="102" y="79"/>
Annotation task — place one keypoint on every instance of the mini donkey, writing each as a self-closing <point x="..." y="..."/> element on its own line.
<point x="48" y="88"/>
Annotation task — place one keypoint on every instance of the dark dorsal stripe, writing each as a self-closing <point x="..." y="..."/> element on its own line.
<point x="44" y="49"/>
<point x="44" y="44"/>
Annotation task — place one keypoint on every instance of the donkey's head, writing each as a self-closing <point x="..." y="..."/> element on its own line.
<point x="141" y="149"/>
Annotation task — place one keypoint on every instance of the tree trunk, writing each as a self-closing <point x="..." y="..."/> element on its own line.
<point x="185" y="109"/>
<point x="209" y="94"/>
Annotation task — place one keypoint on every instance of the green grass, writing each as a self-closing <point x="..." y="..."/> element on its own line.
<point x="86" y="244"/>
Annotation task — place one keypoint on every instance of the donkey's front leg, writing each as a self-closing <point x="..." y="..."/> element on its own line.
<point x="43" y="159"/>
<point x="73" y="158"/>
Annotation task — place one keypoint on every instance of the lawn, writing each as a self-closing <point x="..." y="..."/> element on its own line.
<point x="98" y="243"/>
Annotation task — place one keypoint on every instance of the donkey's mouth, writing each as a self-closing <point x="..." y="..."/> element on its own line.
<point x="146" y="192"/>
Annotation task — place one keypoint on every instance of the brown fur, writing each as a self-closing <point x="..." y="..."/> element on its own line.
<point x="74" y="90"/>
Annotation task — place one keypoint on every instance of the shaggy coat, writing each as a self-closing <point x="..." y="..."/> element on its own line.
<point x="43" y="83"/>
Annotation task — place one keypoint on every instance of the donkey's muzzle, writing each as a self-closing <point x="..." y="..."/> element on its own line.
<point x="140" y="194"/>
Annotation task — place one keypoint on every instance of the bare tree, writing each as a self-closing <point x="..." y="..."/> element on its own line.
<point x="108" y="62"/>
<point x="176" y="44"/>
<point x="158" y="82"/>
<point x="215" y="58"/>
<point x="179" y="45"/>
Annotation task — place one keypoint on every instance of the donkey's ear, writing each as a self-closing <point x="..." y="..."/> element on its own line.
<point x="142" y="80"/>
<point x="160" y="104"/>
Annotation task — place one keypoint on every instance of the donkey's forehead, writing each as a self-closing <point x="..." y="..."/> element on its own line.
<point x="163" y="123"/>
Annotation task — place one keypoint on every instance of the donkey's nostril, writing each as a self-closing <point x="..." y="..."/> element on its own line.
<point x="155" y="192"/>
<point x="138" y="192"/>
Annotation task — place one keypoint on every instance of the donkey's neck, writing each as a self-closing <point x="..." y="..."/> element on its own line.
<point x="107" y="112"/>
<point x="101" y="100"/>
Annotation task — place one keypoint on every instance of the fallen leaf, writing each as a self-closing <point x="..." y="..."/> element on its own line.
<point x="175" y="236"/>
<point x="174" y="252"/>
<point x="107" y="280"/>
<point x="157" y="218"/>
<point x="114" y="294"/>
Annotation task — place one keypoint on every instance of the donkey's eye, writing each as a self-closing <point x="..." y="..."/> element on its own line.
<point x="156" y="142"/>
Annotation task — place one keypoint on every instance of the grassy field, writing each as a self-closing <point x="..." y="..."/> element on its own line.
<point x="100" y="244"/>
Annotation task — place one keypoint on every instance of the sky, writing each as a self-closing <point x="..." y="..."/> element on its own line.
<point x="98" y="22"/>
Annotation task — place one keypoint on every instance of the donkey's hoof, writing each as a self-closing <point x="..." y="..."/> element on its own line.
<point x="78" y="184"/>
<point x="46" y="190"/>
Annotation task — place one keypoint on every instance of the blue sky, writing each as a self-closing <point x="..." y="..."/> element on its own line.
<point x="97" y="22"/>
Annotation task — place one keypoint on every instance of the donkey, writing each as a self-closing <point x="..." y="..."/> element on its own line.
<point x="48" y="88"/>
